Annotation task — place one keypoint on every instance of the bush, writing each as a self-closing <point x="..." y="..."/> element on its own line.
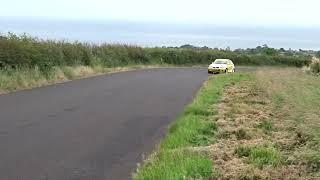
<point x="28" y="52"/>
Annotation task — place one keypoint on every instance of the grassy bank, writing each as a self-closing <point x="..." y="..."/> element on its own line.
<point x="258" y="125"/>
<point x="177" y="157"/>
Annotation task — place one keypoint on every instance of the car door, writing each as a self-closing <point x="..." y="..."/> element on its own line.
<point x="233" y="68"/>
<point x="230" y="66"/>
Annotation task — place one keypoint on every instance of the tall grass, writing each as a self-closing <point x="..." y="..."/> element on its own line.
<point x="12" y="79"/>
<point x="315" y="67"/>
<point x="296" y="98"/>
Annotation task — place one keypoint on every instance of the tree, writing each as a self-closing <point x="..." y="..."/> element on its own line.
<point x="282" y="50"/>
<point x="187" y="46"/>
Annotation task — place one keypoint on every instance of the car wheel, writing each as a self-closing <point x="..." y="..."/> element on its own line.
<point x="234" y="70"/>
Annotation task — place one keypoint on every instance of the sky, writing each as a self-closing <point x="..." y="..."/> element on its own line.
<point x="287" y="13"/>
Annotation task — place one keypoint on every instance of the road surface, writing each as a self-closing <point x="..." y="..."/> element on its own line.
<point x="91" y="129"/>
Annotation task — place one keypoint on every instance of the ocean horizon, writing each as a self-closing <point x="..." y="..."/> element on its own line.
<point x="151" y="34"/>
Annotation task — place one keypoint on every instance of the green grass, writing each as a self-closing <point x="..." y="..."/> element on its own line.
<point x="260" y="156"/>
<point x="176" y="164"/>
<point x="313" y="161"/>
<point x="266" y="126"/>
<point x="173" y="160"/>
<point x="189" y="129"/>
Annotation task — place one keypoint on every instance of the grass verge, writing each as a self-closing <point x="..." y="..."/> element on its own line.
<point x="176" y="157"/>
<point x="268" y="127"/>
<point x="259" y="125"/>
<point x="26" y="78"/>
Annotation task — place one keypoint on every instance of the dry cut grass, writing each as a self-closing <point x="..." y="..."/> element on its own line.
<point x="268" y="127"/>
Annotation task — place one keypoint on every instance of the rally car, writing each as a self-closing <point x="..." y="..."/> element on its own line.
<point x="221" y="66"/>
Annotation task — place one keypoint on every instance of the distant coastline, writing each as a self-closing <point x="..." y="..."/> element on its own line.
<point x="155" y="34"/>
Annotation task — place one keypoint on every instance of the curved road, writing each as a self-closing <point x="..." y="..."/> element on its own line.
<point x="91" y="129"/>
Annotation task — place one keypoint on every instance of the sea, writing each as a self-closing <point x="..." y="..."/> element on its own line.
<point x="159" y="34"/>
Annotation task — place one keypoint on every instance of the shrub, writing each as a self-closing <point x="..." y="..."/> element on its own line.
<point x="28" y="52"/>
<point x="315" y="67"/>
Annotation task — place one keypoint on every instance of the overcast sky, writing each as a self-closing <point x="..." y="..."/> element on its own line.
<point x="220" y="12"/>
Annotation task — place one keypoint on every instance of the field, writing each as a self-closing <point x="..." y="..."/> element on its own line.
<point x="258" y="125"/>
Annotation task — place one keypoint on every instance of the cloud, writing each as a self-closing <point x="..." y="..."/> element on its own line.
<point x="227" y="12"/>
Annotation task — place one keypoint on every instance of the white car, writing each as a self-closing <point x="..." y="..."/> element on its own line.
<point x="221" y="66"/>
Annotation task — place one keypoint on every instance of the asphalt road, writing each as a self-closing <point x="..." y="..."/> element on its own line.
<point x="91" y="129"/>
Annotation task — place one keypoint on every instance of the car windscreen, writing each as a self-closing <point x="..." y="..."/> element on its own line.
<point x="220" y="62"/>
